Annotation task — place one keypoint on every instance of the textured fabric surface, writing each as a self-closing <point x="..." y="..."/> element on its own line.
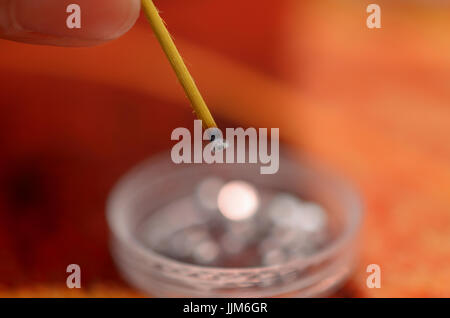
<point x="372" y="106"/>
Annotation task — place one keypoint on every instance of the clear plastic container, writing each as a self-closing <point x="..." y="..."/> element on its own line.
<point x="158" y="182"/>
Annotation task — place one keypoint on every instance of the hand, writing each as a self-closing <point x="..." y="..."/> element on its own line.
<point x="44" y="21"/>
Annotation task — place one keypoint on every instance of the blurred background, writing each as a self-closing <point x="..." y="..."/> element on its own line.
<point x="373" y="105"/>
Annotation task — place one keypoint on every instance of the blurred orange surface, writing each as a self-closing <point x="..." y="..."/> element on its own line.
<point x="371" y="104"/>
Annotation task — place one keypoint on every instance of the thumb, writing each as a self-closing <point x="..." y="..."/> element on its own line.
<point x="45" y="21"/>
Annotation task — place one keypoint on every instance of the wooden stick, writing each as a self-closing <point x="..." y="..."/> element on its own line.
<point x="175" y="59"/>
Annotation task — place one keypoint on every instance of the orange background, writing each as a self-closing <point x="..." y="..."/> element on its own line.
<point x="371" y="104"/>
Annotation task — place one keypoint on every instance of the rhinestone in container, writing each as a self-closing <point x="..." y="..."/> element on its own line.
<point x="228" y="231"/>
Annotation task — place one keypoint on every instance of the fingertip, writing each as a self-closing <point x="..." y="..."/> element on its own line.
<point x="123" y="17"/>
<point x="45" y="21"/>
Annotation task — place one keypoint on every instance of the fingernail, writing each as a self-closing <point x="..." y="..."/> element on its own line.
<point x="99" y="20"/>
